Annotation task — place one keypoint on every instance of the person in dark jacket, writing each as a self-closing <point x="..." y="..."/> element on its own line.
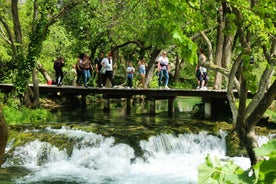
<point x="58" y="65"/>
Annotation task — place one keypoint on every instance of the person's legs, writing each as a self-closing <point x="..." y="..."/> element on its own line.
<point x="205" y="79"/>
<point x="57" y="75"/>
<point x="61" y="77"/>
<point x="198" y="76"/>
<point x="110" y="77"/>
<point x="202" y="83"/>
<point x="104" y="78"/>
<point x="84" y="75"/>
<point x="143" y="80"/>
<point x="100" y="79"/>
<point x="79" y="75"/>
<point x="88" y="75"/>
<point x="166" y="73"/>
<point x="130" y="81"/>
<point x="160" y="78"/>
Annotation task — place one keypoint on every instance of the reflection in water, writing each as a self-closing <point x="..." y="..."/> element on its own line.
<point x="139" y="113"/>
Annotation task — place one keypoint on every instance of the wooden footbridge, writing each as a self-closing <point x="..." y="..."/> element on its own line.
<point x="209" y="97"/>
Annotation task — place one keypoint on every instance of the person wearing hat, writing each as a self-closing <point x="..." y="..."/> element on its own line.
<point x="107" y="65"/>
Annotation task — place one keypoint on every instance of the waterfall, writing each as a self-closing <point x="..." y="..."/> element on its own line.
<point x="97" y="159"/>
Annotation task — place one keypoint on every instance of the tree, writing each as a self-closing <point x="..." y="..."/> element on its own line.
<point x="3" y="136"/>
<point x="244" y="29"/>
<point x="255" y="31"/>
<point x="44" y="14"/>
<point x="250" y="24"/>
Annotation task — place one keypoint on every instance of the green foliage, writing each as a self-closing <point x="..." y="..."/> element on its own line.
<point x="16" y="116"/>
<point x="248" y="74"/>
<point x="272" y="115"/>
<point x="4" y="56"/>
<point x="265" y="170"/>
<point x="187" y="48"/>
<point x="93" y="26"/>
<point x="215" y="171"/>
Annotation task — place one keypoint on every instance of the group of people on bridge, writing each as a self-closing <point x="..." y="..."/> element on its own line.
<point x="82" y="71"/>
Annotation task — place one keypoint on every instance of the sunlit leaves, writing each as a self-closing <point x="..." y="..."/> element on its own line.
<point x="257" y="18"/>
<point x="265" y="170"/>
<point x="268" y="149"/>
<point x="215" y="171"/>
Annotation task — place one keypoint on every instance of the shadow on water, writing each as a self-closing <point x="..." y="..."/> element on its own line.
<point x="118" y="114"/>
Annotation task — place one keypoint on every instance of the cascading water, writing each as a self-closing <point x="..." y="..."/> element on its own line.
<point x="167" y="159"/>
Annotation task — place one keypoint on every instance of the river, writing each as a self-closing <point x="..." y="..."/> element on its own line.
<point x="110" y="155"/>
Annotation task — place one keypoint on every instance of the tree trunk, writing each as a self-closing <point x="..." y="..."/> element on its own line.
<point x="36" y="89"/>
<point x="178" y="64"/>
<point x="219" y="49"/>
<point x="226" y="56"/>
<point x="247" y="139"/>
<point x="3" y="136"/>
<point x="44" y="73"/>
<point x="151" y="65"/>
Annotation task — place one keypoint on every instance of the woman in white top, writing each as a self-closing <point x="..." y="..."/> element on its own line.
<point x="107" y="65"/>
<point x="163" y="69"/>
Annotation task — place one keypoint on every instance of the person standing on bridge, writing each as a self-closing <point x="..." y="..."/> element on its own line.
<point x="163" y="69"/>
<point x="58" y="65"/>
<point x="79" y="68"/>
<point x="142" y="64"/>
<point x="98" y="67"/>
<point x="86" y="69"/>
<point x="130" y="72"/>
<point x="201" y="71"/>
<point x="107" y="65"/>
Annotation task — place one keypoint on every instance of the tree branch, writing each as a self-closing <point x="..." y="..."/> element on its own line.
<point x="10" y="39"/>
<point x="210" y="48"/>
<point x="230" y="91"/>
<point x="264" y="103"/>
<point x="16" y="22"/>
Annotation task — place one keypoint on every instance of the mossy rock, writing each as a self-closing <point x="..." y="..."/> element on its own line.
<point x="233" y="146"/>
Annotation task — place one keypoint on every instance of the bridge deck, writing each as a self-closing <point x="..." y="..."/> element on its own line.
<point x="124" y="92"/>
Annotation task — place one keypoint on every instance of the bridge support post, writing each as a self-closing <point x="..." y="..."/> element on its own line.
<point x="83" y="100"/>
<point x="6" y="97"/>
<point x="170" y="106"/>
<point x="152" y="106"/>
<point x="106" y="104"/>
<point x="207" y="110"/>
<point x="128" y="105"/>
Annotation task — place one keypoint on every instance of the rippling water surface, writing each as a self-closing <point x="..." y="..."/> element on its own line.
<point x="166" y="158"/>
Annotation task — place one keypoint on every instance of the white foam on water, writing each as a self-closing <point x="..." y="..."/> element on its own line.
<point x="97" y="159"/>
